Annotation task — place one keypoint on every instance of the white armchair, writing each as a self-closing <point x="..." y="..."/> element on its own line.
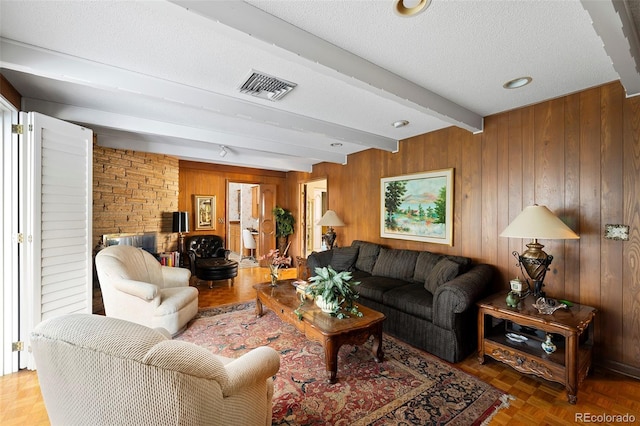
<point x="95" y="370"/>
<point x="136" y="287"/>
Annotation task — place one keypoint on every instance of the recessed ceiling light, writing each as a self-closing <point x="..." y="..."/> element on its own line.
<point x="399" y="123"/>
<point x="517" y="82"/>
<point x="408" y="8"/>
<point x="336" y="144"/>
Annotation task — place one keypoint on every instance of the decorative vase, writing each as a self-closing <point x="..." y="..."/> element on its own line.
<point x="274" y="277"/>
<point x="512" y="300"/>
<point x="327" y="307"/>
<point x="548" y="346"/>
<point x="282" y="245"/>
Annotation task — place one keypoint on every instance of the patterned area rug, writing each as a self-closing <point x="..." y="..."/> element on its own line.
<point x="410" y="387"/>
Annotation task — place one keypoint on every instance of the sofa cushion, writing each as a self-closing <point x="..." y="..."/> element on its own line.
<point x="412" y="299"/>
<point x="393" y="263"/>
<point x="464" y="262"/>
<point x="344" y="258"/>
<point x="445" y="270"/>
<point x="425" y="263"/>
<point x="357" y="275"/>
<point x="374" y="287"/>
<point x="367" y="255"/>
<point x="318" y="259"/>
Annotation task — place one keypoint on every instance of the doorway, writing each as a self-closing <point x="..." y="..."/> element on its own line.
<point x="313" y="205"/>
<point x="243" y="213"/>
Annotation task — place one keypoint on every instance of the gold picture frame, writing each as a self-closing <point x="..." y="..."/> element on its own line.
<point x="418" y="207"/>
<point x="204" y="212"/>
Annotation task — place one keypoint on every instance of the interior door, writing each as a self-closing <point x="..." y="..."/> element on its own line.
<point x="267" y="230"/>
<point x="56" y="219"/>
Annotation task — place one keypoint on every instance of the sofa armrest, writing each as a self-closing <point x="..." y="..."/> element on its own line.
<point x="460" y="294"/>
<point x="175" y="277"/>
<point x="255" y="366"/>
<point x="192" y="261"/>
<point x="318" y="259"/>
<point x="223" y="252"/>
<point x="142" y="290"/>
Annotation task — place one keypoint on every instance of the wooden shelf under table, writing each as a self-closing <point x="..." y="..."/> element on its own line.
<point x="572" y="331"/>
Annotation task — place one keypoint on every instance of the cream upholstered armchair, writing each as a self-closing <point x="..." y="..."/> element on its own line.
<point x="95" y="370"/>
<point x="136" y="287"/>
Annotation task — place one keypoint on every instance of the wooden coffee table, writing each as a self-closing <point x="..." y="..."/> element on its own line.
<point x="321" y="327"/>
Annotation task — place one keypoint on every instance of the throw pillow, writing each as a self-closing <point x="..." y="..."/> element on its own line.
<point x="398" y="264"/>
<point x="444" y="271"/>
<point x="344" y="258"/>
<point x="464" y="262"/>
<point x="425" y="263"/>
<point x="367" y="255"/>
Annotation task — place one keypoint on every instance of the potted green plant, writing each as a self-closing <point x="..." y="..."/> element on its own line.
<point x="333" y="292"/>
<point x="284" y="227"/>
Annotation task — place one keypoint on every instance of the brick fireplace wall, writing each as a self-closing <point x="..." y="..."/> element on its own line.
<point x="134" y="192"/>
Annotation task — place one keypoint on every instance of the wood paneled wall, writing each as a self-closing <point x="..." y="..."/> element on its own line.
<point x="579" y="155"/>
<point x="211" y="179"/>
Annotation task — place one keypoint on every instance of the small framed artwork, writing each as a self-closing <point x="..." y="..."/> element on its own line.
<point x="418" y="207"/>
<point x="205" y="212"/>
<point x="616" y="232"/>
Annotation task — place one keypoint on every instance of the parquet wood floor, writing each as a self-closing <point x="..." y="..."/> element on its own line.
<point x="537" y="402"/>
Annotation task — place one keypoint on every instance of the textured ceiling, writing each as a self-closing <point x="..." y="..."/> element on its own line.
<point x="163" y="76"/>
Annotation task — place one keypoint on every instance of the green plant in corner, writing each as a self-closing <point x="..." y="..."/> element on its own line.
<point x="284" y="222"/>
<point x="334" y="288"/>
<point x="284" y="227"/>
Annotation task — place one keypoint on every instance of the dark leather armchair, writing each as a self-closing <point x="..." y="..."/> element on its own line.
<point x="206" y="247"/>
<point x="209" y="260"/>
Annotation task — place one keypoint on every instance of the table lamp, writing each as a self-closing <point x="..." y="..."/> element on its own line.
<point x="537" y="222"/>
<point x="330" y="219"/>
<point x="181" y="226"/>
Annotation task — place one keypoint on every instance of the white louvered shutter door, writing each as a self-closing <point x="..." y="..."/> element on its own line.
<point x="58" y="267"/>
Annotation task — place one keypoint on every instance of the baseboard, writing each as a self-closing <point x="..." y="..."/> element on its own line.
<point x="620" y="368"/>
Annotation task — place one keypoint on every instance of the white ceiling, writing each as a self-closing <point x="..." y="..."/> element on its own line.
<point x="163" y="77"/>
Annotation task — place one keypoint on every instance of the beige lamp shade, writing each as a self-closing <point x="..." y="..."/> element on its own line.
<point x="538" y="222"/>
<point x="331" y="219"/>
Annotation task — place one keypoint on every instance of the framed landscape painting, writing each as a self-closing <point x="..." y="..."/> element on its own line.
<point x="205" y="212"/>
<point x="418" y="207"/>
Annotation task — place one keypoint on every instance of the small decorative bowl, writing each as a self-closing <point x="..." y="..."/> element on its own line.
<point x="547" y="308"/>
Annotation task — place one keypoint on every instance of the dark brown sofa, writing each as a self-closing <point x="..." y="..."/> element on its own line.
<point x="429" y="299"/>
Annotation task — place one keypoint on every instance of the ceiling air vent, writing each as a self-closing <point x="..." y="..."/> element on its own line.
<point x="266" y="86"/>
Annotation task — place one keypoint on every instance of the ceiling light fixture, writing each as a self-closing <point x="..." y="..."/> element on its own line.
<point x="409" y="8"/>
<point x="517" y="82"/>
<point x="399" y="123"/>
<point x="223" y="151"/>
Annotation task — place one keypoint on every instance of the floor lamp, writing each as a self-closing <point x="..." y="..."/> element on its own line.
<point x="537" y="222"/>
<point x="181" y="226"/>
<point x="330" y="219"/>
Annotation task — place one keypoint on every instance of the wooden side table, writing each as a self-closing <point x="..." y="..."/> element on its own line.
<point x="572" y="331"/>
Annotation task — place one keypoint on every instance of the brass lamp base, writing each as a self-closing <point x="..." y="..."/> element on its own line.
<point x="536" y="264"/>
<point x="329" y="238"/>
